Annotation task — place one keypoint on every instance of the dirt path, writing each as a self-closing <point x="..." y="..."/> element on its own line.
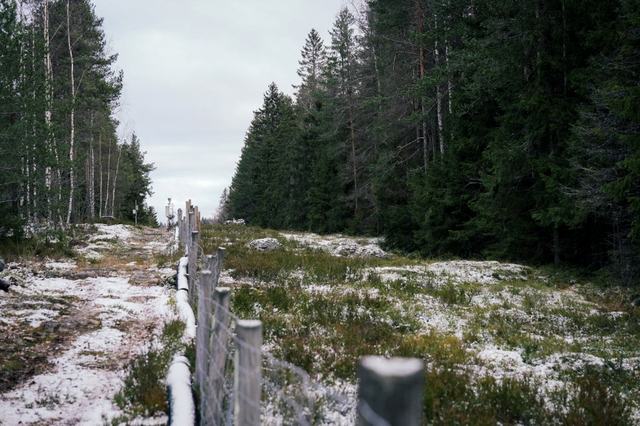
<point x="69" y="328"/>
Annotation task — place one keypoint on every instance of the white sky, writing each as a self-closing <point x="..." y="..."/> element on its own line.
<point x="194" y="72"/>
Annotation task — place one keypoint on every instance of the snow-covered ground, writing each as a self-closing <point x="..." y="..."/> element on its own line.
<point x="472" y="299"/>
<point x="100" y="322"/>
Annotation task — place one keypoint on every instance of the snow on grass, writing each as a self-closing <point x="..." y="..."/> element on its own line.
<point x="490" y="319"/>
<point x="80" y="383"/>
<point x="339" y="245"/>
<point x="73" y="393"/>
<point x="60" y="265"/>
<point x="112" y="232"/>
<point x="455" y="271"/>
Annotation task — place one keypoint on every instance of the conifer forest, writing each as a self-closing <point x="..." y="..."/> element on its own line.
<point x="62" y="160"/>
<point x="474" y="129"/>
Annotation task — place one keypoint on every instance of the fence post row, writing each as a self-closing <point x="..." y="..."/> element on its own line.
<point x="206" y="286"/>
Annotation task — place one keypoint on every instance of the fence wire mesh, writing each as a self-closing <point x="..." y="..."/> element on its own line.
<point x="288" y="396"/>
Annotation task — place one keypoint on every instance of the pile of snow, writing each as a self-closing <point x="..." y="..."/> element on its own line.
<point x="265" y="244"/>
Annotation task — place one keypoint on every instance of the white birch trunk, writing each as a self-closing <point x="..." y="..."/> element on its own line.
<point x="106" y="200"/>
<point x="115" y="181"/>
<point x="100" y="161"/>
<point x="72" y="135"/>
<point x="92" y="175"/>
<point x="50" y="143"/>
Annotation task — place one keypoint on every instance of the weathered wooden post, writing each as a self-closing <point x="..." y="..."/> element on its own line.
<point x="179" y="226"/>
<point x="202" y="331"/>
<point x="248" y="373"/>
<point x="218" y="266"/>
<point x="193" y="265"/>
<point x="218" y="355"/>
<point x="192" y="219"/>
<point x="390" y="391"/>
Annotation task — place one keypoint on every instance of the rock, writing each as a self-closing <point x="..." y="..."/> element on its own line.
<point x="371" y="251"/>
<point x="77" y="243"/>
<point x="265" y="244"/>
<point x="4" y="285"/>
<point x="348" y="250"/>
<point x="354" y="250"/>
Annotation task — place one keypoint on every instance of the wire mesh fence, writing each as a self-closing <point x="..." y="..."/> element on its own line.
<point x="238" y="382"/>
<point x="285" y="393"/>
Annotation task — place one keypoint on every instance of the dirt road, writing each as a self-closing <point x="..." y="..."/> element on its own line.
<point x="69" y="327"/>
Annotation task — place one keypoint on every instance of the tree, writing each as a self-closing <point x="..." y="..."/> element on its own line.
<point x="262" y="183"/>
<point x="312" y="66"/>
<point x="222" y="212"/>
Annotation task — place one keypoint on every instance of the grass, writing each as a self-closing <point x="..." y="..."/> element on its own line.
<point x="52" y="244"/>
<point x="144" y="392"/>
<point x="323" y="313"/>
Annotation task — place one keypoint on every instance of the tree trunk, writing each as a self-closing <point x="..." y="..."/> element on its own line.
<point x="423" y="101"/>
<point x="100" y="161"/>
<point x="91" y="190"/>
<point x="353" y="152"/>
<point x="115" y="182"/>
<point x="72" y="135"/>
<point x="439" y="97"/>
<point x="106" y="200"/>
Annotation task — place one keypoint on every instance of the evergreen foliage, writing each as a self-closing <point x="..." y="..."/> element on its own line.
<point x="60" y="160"/>
<point x="501" y="130"/>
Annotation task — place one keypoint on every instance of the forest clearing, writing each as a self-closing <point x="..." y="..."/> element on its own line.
<point x="501" y="343"/>
<point x="452" y="182"/>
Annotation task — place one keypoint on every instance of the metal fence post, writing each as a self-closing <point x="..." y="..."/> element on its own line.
<point x="390" y="391"/>
<point x="248" y="373"/>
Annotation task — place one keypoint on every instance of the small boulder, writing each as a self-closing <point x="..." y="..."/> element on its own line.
<point x="77" y="243"/>
<point x="265" y="244"/>
<point x="4" y="286"/>
<point x="347" y="250"/>
<point x="371" y="251"/>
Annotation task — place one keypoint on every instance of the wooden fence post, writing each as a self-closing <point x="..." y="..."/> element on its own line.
<point x="248" y="373"/>
<point x="179" y="226"/>
<point x="204" y="294"/>
<point x="390" y="391"/>
<point x="218" y="266"/>
<point x="193" y="265"/>
<point x="218" y="355"/>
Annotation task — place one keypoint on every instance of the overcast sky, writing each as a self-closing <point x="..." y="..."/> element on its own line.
<point x="194" y="72"/>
